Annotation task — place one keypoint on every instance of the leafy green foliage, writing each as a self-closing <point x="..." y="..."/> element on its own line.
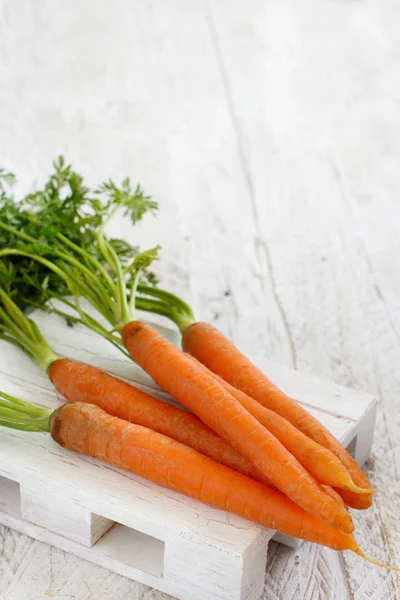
<point x="63" y="205"/>
<point x="133" y="201"/>
<point x="143" y="260"/>
<point x="7" y="180"/>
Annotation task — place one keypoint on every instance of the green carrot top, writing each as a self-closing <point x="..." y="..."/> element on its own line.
<point x="68" y="255"/>
<point x="19" y="330"/>
<point x="18" y="414"/>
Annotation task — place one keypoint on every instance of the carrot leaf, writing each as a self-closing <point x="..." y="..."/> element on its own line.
<point x="66" y="206"/>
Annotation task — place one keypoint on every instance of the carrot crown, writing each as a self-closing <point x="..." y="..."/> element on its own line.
<point x="18" y="329"/>
<point x="18" y="414"/>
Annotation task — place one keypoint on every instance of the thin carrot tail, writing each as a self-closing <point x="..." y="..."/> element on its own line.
<point x="359" y="490"/>
<point x="349" y="486"/>
<point x="375" y="562"/>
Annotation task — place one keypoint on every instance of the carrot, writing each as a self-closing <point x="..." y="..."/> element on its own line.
<point x="222" y="357"/>
<point x="192" y="387"/>
<point x="87" y="429"/>
<point x="79" y="382"/>
<point x="329" y="490"/>
<point x="319" y="461"/>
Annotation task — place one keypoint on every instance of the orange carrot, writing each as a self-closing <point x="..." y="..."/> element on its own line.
<point x="79" y="382"/>
<point x="89" y="430"/>
<point x="222" y="357"/>
<point x="319" y="461"/>
<point x="334" y="494"/>
<point x="198" y="391"/>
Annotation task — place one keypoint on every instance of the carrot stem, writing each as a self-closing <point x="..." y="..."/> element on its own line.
<point x="132" y="294"/>
<point x="19" y="414"/>
<point x="90" y="279"/>
<point x="24" y="333"/>
<point x="122" y="309"/>
<point x="175" y="304"/>
<point x="89" y="258"/>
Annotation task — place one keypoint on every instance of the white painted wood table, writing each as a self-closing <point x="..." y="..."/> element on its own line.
<point x="269" y="133"/>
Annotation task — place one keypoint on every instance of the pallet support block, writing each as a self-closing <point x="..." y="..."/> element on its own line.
<point x="205" y="571"/>
<point x="62" y="514"/>
<point x="364" y="436"/>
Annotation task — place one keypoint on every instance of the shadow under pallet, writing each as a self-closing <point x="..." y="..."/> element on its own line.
<point x="125" y="523"/>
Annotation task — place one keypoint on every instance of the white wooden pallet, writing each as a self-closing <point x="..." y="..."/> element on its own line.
<point x="125" y="523"/>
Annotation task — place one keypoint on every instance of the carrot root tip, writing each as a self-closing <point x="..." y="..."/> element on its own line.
<point x="360" y="490"/>
<point x="375" y="562"/>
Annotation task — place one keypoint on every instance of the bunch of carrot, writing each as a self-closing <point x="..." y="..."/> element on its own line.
<point x="245" y="447"/>
<point x="113" y="421"/>
<point x="176" y="449"/>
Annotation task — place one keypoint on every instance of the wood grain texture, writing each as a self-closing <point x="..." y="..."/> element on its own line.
<point x="269" y="133"/>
